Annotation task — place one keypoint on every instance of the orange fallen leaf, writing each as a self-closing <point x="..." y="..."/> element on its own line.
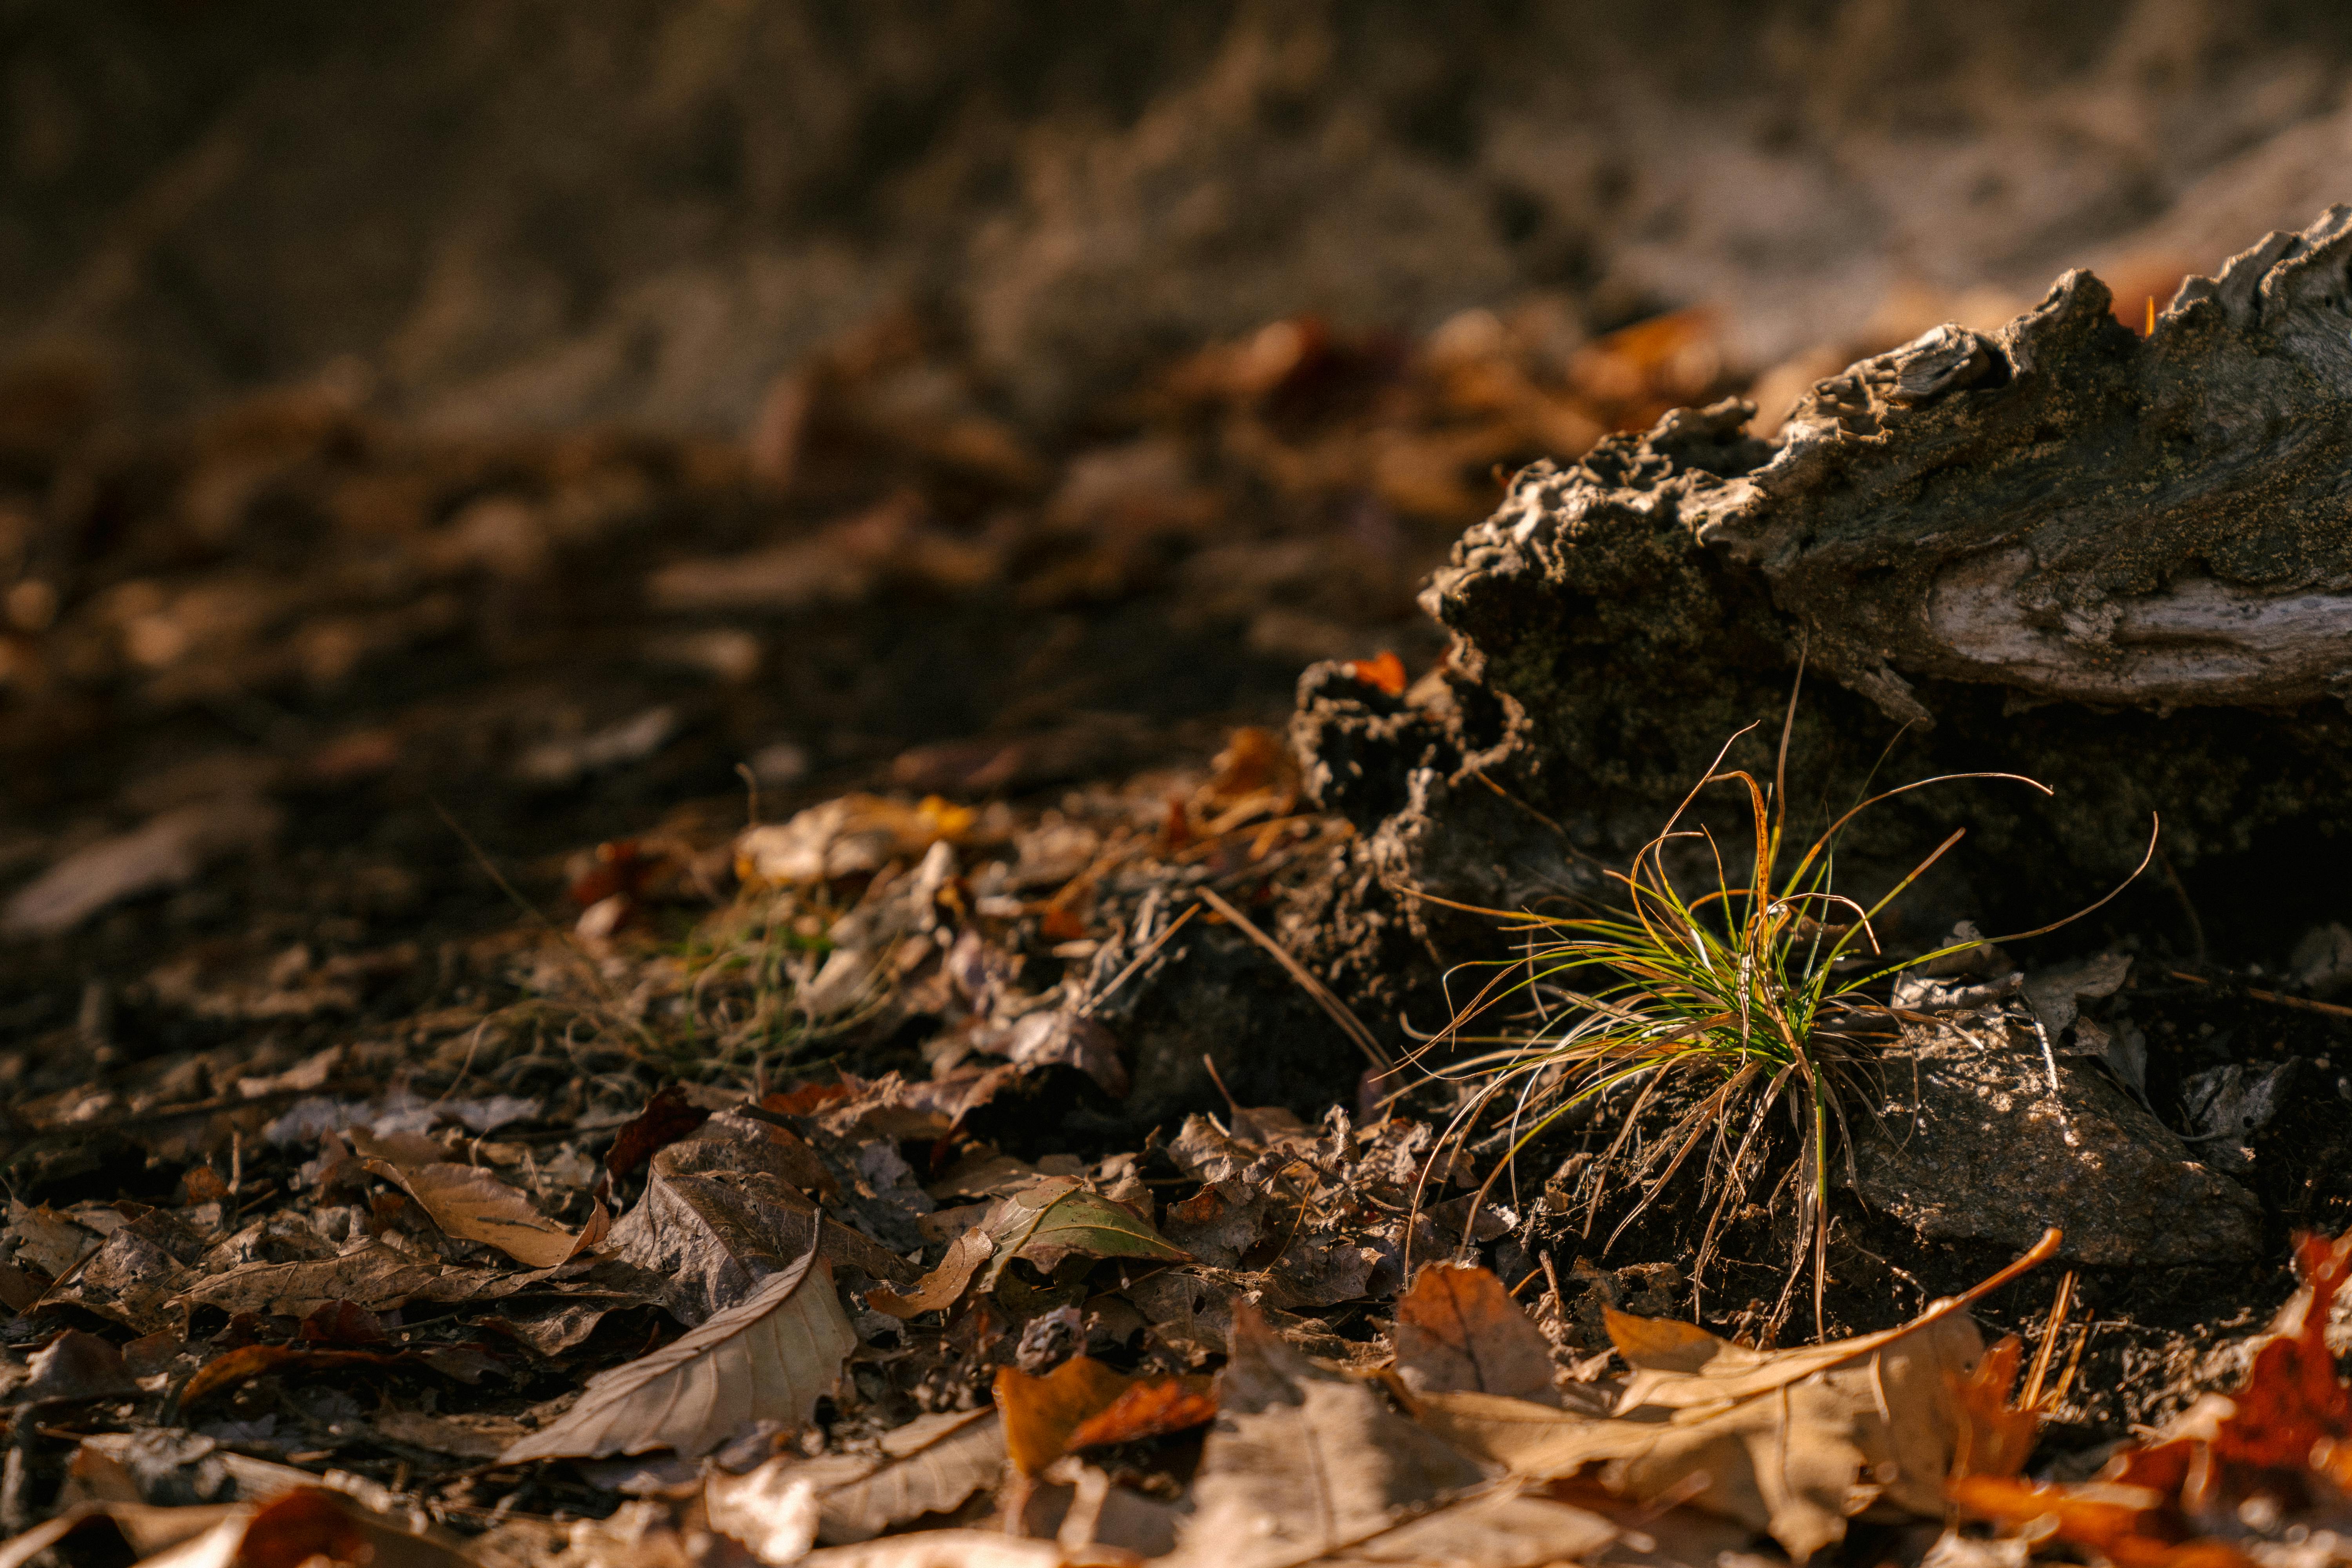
<point x="1150" y="1408"/>
<point x="2132" y="1527"/>
<point x="1994" y="1436"/>
<point x="1041" y="1413"/>
<point x="1458" y="1328"/>
<point x="2284" y="1438"/>
<point x="305" y="1525"/>
<point x="1384" y="672"/>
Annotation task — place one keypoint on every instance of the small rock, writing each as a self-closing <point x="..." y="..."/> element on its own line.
<point x="1970" y="1146"/>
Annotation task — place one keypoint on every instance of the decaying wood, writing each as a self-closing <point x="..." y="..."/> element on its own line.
<point x="2121" y="565"/>
<point x="2059" y="507"/>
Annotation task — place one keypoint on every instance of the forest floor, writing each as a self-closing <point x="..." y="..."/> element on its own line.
<point x="573" y="999"/>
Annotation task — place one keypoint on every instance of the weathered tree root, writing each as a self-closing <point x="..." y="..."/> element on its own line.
<point x="2122" y="565"/>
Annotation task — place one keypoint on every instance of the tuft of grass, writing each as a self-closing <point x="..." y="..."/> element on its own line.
<point x="1758" y="993"/>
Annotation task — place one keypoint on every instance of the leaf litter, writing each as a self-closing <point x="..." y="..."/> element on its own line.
<point x="788" y="1199"/>
<point x="828" y="1402"/>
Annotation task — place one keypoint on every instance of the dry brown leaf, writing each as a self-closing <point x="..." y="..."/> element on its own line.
<point x="989" y="1174"/>
<point x="943" y="1549"/>
<point x="1303" y="1462"/>
<point x="372" y="1274"/>
<point x="1795" y="1442"/>
<point x="667" y="1117"/>
<point x="724" y="1207"/>
<point x="1320" y="1270"/>
<point x="1498" y="1529"/>
<point x="1797" y="1458"/>
<point x="146" y="1530"/>
<point x="1663" y="1344"/>
<point x="246" y="1362"/>
<point x="1040" y="1412"/>
<point x="1458" y="1328"/>
<point x="771" y="1357"/>
<point x="930" y="1465"/>
<point x="943" y="1286"/>
<point x="304" y="1524"/>
<point x="1151" y="1407"/>
<point x="1102" y="1519"/>
<point x="135" y="1275"/>
<point x="472" y="1204"/>
<point x="772" y="1512"/>
<point x="75" y="1365"/>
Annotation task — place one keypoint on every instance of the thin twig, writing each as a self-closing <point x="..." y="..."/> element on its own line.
<point x="2059" y="1307"/>
<point x="2049" y="1059"/>
<point x="2301" y="1004"/>
<point x="1138" y="962"/>
<point x="2073" y="1363"/>
<point x="1337" y="1011"/>
<point x="570" y="939"/>
<point x="751" y="790"/>
<point x="2187" y="908"/>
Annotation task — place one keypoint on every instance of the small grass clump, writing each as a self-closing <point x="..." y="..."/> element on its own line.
<point x="1758" y="993"/>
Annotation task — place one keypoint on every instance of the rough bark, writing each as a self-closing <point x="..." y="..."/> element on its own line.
<point x="2120" y="564"/>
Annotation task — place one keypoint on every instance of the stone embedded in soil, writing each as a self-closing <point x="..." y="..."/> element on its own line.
<point x="1971" y="1147"/>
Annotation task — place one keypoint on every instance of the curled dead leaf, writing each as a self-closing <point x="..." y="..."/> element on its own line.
<point x="1458" y="1328"/>
<point x="472" y="1204"/>
<point x="943" y="1286"/>
<point x="771" y="1357"/>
